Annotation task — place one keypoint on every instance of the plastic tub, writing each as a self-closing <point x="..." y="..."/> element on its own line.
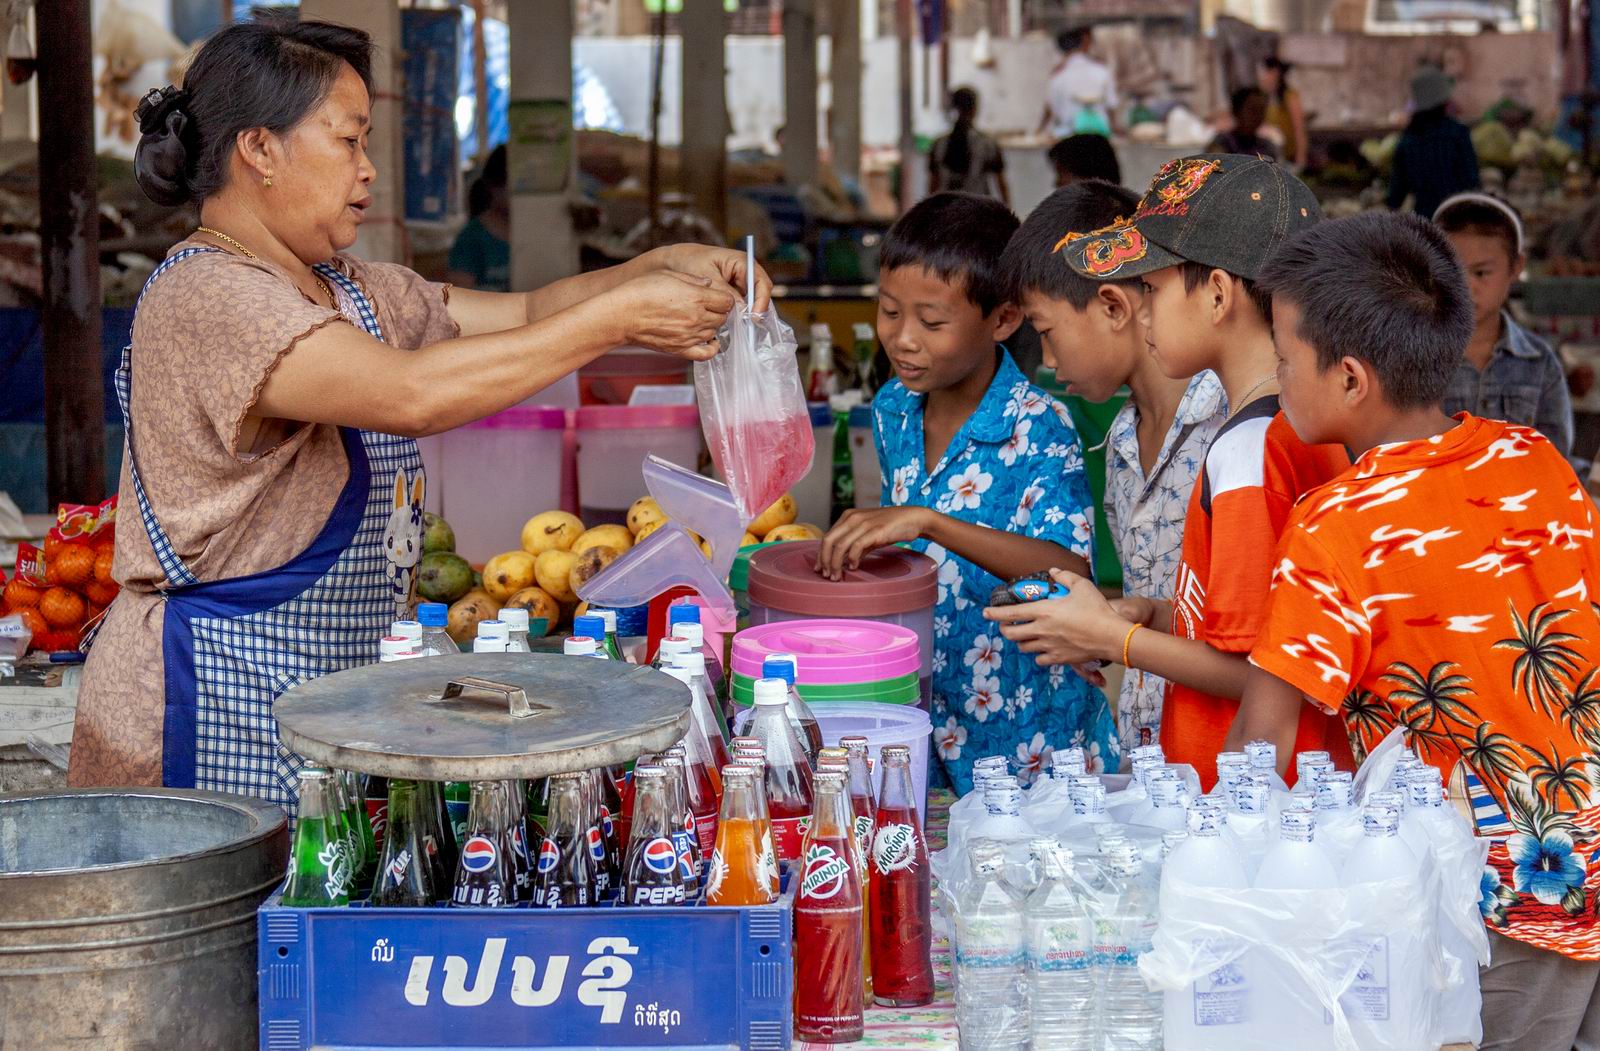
<point x="613" y="441"/>
<point x="739" y="582"/>
<point x="893" y="585"/>
<point x="813" y="494"/>
<point x="904" y="690"/>
<point x="831" y="652"/>
<point x="864" y="469"/>
<point x="611" y="379"/>
<point x="487" y="478"/>
<point x="880" y="724"/>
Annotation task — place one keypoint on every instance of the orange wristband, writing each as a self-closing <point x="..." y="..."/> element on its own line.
<point x="1127" y="642"/>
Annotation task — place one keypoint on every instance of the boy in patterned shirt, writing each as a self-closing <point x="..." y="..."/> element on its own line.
<point x="1446" y="584"/>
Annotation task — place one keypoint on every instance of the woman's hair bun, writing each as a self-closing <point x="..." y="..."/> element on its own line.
<point x="161" y="161"/>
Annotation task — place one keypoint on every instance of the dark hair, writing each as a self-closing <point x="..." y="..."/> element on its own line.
<point x="1032" y="261"/>
<point x="265" y="74"/>
<point x="1070" y="40"/>
<point x="493" y="177"/>
<point x="1087" y="157"/>
<point x="1485" y="220"/>
<point x="1197" y="274"/>
<point x="956" y="236"/>
<point x="1384" y="288"/>
<point x="1243" y="97"/>
<point x="958" y="146"/>
<point x="1274" y="62"/>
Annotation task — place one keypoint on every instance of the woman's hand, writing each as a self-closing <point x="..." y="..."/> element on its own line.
<point x="1075" y="630"/>
<point x="861" y="531"/>
<point x="671" y="312"/>
<point x="724" y="265"/>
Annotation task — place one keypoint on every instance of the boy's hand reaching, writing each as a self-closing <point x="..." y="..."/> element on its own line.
<point x="1076" y="630"/>
<point x="859" y="532"/>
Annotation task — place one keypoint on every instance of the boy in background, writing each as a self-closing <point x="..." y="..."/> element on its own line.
<point x="1090" y="334"/>
<point x="1198" y="242"/>
<point x="982" y="472"/>
<point x="1507" y="373"/>
<point x="1446" y="585"/>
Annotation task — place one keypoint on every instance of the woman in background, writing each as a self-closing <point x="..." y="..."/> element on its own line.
<point x="1285" y="111"/>
<point x="967" y="160"/>
<point x="481" y="255"/>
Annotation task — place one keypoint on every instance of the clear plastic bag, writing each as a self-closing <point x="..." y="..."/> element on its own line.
<point x="753" y="409"/>
<point x="15" y="635"/>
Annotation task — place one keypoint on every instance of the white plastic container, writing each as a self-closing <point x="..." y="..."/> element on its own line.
<point x="864" y="458"/>
<point x="880" y="724"/>
<point x="487" y="478"/>
<point x="613" y="441"/>
<point x="813" y="494"/>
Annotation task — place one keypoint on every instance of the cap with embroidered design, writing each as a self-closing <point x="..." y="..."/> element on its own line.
<point x="1226" y="211"/>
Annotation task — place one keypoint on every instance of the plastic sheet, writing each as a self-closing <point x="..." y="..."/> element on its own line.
<point x="753" y="409"/>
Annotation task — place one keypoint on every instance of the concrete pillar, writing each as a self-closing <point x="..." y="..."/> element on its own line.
<point x="542" y="154"/>
<point x="383" y="235"/>
<point x="703" y="153"/>
<point x="845" y="71"/>
<point x="800" y="91"/>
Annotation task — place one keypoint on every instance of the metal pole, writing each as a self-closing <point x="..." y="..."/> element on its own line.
<point x="659" y="50"/>
<point x="69" y="231"/>
<point x="904" y="29"/>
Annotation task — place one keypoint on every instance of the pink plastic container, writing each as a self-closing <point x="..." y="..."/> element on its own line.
<point x="489" y="477"/>
<point x="613" y="441"/>
<point x="831" y="652"/>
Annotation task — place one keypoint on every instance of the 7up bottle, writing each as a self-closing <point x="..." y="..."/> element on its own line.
<point x="321" y="869"/>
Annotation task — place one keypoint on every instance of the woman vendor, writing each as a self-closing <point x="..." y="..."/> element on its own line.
<point x="271" y="489"/>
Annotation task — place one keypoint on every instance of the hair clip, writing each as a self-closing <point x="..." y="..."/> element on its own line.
<point x="156" y="104"/>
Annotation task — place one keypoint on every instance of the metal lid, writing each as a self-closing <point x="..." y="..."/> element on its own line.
<point x="889" y="580"/>
<point x="407" y="720"/>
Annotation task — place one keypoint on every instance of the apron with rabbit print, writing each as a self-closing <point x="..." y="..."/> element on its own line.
<point x="233" y="646"/>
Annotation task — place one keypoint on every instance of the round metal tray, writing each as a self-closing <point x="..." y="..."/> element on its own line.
<point x="457" y="718"/>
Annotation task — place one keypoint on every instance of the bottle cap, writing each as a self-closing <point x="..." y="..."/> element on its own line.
<point x="694" y="663"/>
<point x="829" y="778"/>
<point x="683" y="676"/>
<point x="671" y="646"/>
<point x="1205" y="822"/>
<point x="1262" y="755"/>
<point x="1303" y="758"/>
<point x="682" y="613"/>
<point x="488" y="644"/>
<point x="779" y="666"/>
<point x="1335" y="792"/>
<point x="607" y="615"/>
<point x="579" y="646"/>
<point x="1251" y="798"/>
<point x="692" y="632"/>
<point x="895" y="753"/>
<point x="1396" y="801"/>
<point x="1298" y="826"/>
<point x="1380" y="822"/>
<point x="1232" y="764"/>
<point x="392" y="646"/>
<point x="1165" y="791"/>
<point x="853" y="743"/>
<point x="589" y="626"/>
<point x="515" y="619"/>
<point x="493" y="629"/>
<point x="1068" y="762"/>
<point x="771" y="692"/>
<point x="406" y="629"/>
<point x="433" y="615"/>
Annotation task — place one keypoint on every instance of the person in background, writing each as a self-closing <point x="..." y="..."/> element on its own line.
<point x="1078" y="157"/>
<point x="1508" y="373"/>
<point x="1092" y="337"/>
<point x="1435" y="158"/>
<point x="1082" y="95"/>
<point x="1444" y="585"/>
<point x="1249" y="106"/>
<point x="967" y="160"/>
<point x="983" y="472"/>
<point x="1285" y="110"/>
<point x="480" y="257"/>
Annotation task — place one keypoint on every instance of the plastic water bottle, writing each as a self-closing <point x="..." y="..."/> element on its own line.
<point x="1061" y="973"/>
<point x="1231" y="767"/>
<point x="1089" y="800"/>
<point x="1338" y="820"/>
<point x="580" y="646"/>
<point x="1290" y="1011"/>
<point x="1387" y="1005"/>
<point x="435" y="619"/>
<point x="1168" y="805"/>
<point x="498" y="630"/>
<point x="1247" y="824"/>
<point x="409" y="630"/>
<point x="1215" y="1010"/>
<point x="990" y="959"/>
<point x="1130" y="1014"/>
<point x="1442" y="830"/>
<point x="516" y="622"/>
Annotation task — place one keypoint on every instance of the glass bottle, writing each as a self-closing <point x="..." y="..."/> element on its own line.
<point x="564" y="874"/>
<point x="741" y="860"/>
<point x="652" y="874"/>
<point x="900" y="890"/>
<point x="484" y="875"/>
<point x="320" y="866"/>
<point x="789" y="795"/>
<point x="405" y="876"/>
<point x="827" y="921"/>
<point x="684" y="833"/>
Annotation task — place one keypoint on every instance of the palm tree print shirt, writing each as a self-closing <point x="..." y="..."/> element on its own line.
<point x="1448" y="586"/>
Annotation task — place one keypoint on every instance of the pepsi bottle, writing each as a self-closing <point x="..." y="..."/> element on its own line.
<point x="517" y="835"/>
<point x="484" y="874"/>
<point x="652" y="874"/>
<point x="684" y="836"/>
<point x="608" y="807"/>
<point x="563" y="876"/>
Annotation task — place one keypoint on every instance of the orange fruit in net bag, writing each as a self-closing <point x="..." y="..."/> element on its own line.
<point x="100" y="593"/>
<point x="52" y="544"/>
<point x="62" y="608"/>
<point x="73" y="564"/>
<point x="56" y="641"/>
<point x="34" y="620"/>
<point x="103" y="560"/>
<point x="22" y="595"/>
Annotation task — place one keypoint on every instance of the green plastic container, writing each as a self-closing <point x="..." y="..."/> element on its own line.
<point x="1093" y="421"/>
<point x="739" y="583"/>
<point x="906" y="690"/>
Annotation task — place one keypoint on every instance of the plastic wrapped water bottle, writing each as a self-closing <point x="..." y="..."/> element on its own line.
<point x="1387" y="1003"/>
<point x="1290" y="1011"/>
<point x="1338" y="820"/>
<point x="990" y="959"/>
<point x="1061" y="972"/>
<point x="1130" y="1014"/>
<point x="1215" y="1010"/>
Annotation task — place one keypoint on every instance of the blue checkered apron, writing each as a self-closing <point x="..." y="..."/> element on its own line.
<point x="233" y="646"/>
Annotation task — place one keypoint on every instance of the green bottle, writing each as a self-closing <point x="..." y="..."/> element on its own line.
<point x="321" y="869"/>
<point x="458" y="802"/>
<point x="405" y="872"/>
<point x="364" y="851"/>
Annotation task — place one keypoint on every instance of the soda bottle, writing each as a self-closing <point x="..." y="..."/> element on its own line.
<point x="405" y="875"/>
<point x="652" y="874"/>
<point x="441" y="844"/>
<point x="321" y="869"/>
<point x="435" y="620"/>
<point x="590" y="626"/>
<point x="519" y="829"/>
<point x="707" y="716"/>
<point x="692" y="632"/>
<point x="671" y="648"/>
<point x="457" y="805"/>
<point x="742" y="868"/>
<point x="783" y="666"/>
<point x="700" y="756"/>
<point x="516" y="622"/>
<point x="353" y="817"/>
<point x="609" y="803"/>
<point x="763" y="818"/>
<point x="827" y="922"/>
<point x="484" y="876"/>
<point x="864" y="805"/>
<point x="839" y="759"/>
<point x="594" y="837"/>
<point x="902" y="920"/>
<point x="788" y="770"/>
<point x="608" y="617"/>
<point x="564" y="875"/>
<point x="377" y="801"/>
<point x="684" y="835"/>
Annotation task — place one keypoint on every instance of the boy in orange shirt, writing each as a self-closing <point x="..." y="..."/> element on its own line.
<point x="1445" y="584"/>
<point x="1197" y="242"/>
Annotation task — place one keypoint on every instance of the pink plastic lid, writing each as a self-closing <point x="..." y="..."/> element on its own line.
<point x="831" y="652"/>
<point x="524" y="418"/>
<point x="636" y="417"/>
<point x="890" y="580"/>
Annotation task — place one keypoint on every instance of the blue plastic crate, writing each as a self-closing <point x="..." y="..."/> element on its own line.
<point x="368" y="978"/>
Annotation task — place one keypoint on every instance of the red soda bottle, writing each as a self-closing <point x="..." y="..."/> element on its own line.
<point x="902" y="928"/>
<point x="788" y="772"/>
<point x="827" y="922"/>
<point x="706" y="726"/>
<point x="864" y="805"/>
<point x="861" y="837"/>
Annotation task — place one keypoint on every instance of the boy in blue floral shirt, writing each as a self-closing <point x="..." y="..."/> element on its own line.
<point x="983" y="472"/>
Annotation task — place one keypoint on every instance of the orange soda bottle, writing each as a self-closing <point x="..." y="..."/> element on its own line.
<point x="742" y="858"/>
<point x="763" y="817"/>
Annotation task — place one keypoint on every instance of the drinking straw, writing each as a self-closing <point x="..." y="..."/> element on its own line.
<point x="750" y="273"/>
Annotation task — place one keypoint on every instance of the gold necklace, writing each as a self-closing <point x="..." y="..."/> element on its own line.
<point x="1245" y="398"/>
<point x="219" y="235"/>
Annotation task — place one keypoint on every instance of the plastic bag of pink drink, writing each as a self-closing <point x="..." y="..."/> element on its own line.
<point x="753" y="410"/>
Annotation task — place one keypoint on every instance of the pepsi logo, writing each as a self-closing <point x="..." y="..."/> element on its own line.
<point x="605" y="819"/>
<point x="549" y="856"/>
<point x="659" y="856"/>
<point x="479" y="854"/>
<point x="597" y="845"/>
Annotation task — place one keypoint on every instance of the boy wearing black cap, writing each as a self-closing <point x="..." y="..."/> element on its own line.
<point x="1197" y="242"/>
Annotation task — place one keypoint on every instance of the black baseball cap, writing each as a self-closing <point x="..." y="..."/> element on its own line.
<point x="1221" y="210"/>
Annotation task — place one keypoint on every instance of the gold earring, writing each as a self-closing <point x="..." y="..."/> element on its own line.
<point x="266" y="180"/>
